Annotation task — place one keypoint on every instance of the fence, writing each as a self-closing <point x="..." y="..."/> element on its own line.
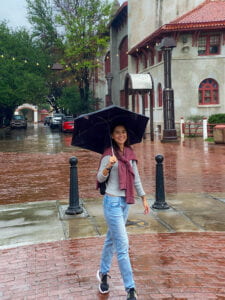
<point x="202" y="128"/>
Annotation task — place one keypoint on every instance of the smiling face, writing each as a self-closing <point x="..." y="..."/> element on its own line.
<point x="119" y="135"/>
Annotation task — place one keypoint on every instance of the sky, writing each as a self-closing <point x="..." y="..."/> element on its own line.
<point x="14" y="11"/>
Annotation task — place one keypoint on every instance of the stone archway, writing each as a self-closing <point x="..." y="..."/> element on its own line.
<point x="34" y="108"/>
<point x="140" y="84"/>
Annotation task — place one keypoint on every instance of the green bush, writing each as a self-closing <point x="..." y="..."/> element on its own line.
<point x="217" y="118"/>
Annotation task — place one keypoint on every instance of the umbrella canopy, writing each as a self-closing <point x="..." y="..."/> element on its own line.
<point x="92" y="130"/>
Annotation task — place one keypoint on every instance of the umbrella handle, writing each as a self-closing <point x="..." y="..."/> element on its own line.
<point x="112" y="151"/>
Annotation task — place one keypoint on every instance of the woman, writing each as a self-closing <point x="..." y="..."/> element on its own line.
<point x="120" y="170"/>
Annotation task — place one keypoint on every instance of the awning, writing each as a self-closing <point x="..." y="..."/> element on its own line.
<point x="139" y="82"/>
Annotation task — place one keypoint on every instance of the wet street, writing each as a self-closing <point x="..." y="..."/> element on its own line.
<point x="177" y="253"/>
<point x="35" y="166"/>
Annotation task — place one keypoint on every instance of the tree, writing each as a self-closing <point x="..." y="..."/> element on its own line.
<point x="86" y="37"/>
<point x="44" y="30"/>
<point x="23" y="69"/>
<point x="71" y="102"/>
<point x="115" y="7"/>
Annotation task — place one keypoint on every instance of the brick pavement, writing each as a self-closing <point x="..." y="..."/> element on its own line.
<point x="166" y="266"/>
<point x="191" y="166"/>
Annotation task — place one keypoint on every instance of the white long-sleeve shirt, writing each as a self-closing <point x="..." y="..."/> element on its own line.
<point x="112" y="185"/>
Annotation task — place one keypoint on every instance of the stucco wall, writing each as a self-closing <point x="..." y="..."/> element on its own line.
<point x="100" y="87"/>
<point x="145" y="16"/>
<point x="188" y="70"/>
<point x="186" y="84"/>
<point x="118" y="75"/>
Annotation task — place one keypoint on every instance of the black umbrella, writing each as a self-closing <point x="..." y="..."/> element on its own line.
<point x="92" y="130"/>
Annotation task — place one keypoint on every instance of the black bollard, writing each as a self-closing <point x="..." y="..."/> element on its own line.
<point x="74" y="207"/>
<point x="160" y="202"/>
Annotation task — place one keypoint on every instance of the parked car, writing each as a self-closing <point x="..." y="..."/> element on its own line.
<point x="56" y="120"/>
<point x="18" y="121"/>
<point x="47" y="120"/>
<point x="67" y="124"/>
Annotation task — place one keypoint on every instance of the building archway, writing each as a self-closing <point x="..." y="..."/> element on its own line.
<point x="34" y="108"/>
<point x="143" y="85"/>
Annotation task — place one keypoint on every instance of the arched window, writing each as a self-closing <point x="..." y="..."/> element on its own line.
<point x="208" y="92"/>
<point x="160" y="95"/>
<point x="107" y="63"/>
<point x="123" y="53"/>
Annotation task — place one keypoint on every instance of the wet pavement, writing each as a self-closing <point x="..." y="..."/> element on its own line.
<point x="166" y="266"/>
<point x="39" y="168"/>
<point x="46" y="221"/>
<point x="177" y="253"/>
<point x="35" y="139"/>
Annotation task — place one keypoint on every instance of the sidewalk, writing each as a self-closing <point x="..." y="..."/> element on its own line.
<point x="176" y="254"/>
<point x="46" y="221"/>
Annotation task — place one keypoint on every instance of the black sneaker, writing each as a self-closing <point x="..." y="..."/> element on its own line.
<point x="103" y="286"/>
<point x="131" y="294"/>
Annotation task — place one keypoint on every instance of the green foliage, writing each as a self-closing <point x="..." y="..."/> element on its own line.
<point x="86" y="32"/>
<point x="41" y="16"/>
<point x="86" y="37"/>
<point x="210" y="140"/>
<point x="24" y="111"/>
<point x="216" y="119"/>
<point x="71" y="103"/>
<point x="23" y="69"/>
<point x="78" y="42"/>
<point x="44" y="106"/>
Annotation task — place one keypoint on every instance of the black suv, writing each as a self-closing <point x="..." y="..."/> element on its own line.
<point x="18" y="121"/>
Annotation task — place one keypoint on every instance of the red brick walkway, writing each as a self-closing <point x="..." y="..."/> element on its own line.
<point x="166" y="266"/>
<point x="190" y="166"/>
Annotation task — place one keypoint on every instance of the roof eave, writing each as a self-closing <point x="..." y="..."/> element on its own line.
<point x="171" y="28"/>
<point x="119" y="12"/>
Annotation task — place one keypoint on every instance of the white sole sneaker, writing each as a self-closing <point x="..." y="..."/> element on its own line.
<point x="100" y="281"/>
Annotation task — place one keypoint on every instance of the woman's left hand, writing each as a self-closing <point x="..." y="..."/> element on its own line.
<point x="145" y="204"/>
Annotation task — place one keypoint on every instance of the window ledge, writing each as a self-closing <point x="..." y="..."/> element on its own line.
<point x="209" y="105"/>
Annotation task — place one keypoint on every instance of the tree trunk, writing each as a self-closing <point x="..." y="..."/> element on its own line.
<point x="84" y="89"/>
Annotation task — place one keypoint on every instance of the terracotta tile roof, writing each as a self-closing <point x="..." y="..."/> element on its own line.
<point x="208" y="15"/>
<point x="208" y="11"/>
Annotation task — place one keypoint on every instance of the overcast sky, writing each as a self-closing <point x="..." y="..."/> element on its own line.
<point x="14" y="11"/>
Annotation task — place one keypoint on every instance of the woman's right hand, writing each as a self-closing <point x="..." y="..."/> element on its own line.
<point x="110" y="164"/>
<point x="112" y="161"/>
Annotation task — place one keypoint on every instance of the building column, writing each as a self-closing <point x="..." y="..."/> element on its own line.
<point x="35" y="116"/>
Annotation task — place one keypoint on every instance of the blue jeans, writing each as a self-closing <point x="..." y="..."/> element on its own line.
<point x="116" y="214"/>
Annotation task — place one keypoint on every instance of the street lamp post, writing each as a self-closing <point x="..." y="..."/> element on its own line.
<point x="109" y="78"/>
<point x="56" y="68"/>
<point x="169" y="132"/>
